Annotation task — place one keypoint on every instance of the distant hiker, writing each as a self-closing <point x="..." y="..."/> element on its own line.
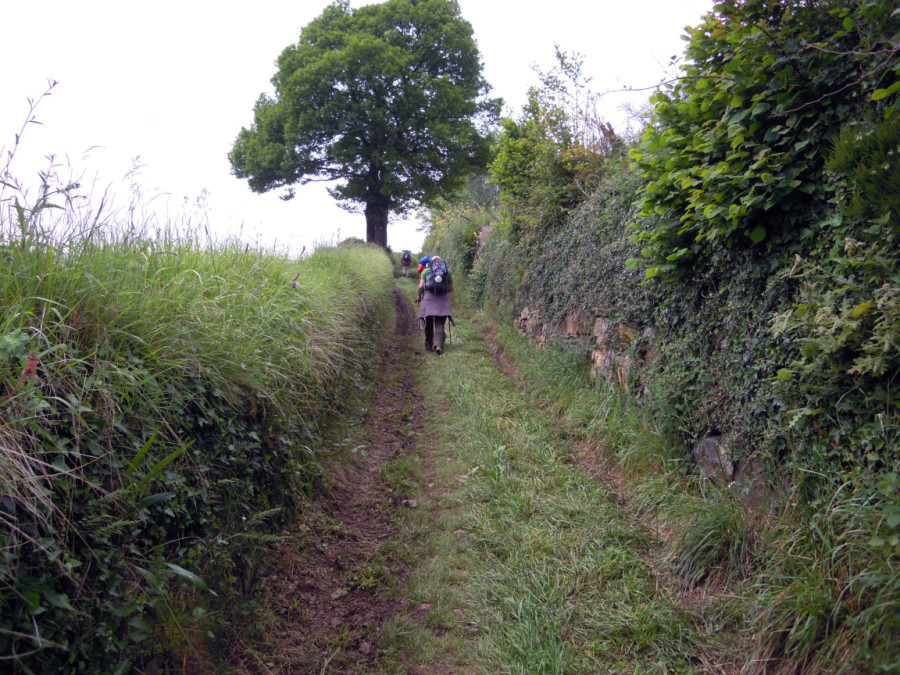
<point x="405" y="260"/>
<point x="435" y="286"/>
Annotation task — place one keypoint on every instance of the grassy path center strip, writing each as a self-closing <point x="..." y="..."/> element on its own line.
<point x="522" y="562"/>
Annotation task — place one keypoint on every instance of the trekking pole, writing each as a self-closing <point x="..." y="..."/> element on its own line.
<point x="418" y="329"/>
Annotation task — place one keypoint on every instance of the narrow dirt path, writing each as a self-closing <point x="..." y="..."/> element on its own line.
<point x="333" y="582"/>
<point x="482" y="550"/>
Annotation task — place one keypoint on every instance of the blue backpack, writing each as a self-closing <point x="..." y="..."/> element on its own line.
<point x="436" y="278"/>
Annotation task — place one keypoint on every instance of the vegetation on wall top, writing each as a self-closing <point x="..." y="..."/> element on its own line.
<point x="735" y="149"/>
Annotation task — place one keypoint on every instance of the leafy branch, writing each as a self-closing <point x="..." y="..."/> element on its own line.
<point x="892" y="54"/>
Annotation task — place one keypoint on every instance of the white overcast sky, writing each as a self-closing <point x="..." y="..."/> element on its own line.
<point x="171" y="82"/>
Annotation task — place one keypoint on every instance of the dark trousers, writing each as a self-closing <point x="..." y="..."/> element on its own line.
<point x="434" y="332"/>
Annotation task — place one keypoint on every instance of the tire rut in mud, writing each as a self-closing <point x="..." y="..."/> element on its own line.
<point x="328" y="585"/>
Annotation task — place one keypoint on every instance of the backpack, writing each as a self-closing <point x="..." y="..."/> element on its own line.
<point x="405" y="258"/>
<point x="436" y="278"/>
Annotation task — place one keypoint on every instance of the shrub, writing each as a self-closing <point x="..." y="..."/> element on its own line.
<point x="735" y="149"/>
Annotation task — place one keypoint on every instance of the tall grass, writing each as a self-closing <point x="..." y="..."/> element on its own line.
<point x="182" y="396"/>
<point x="813" y="586"/>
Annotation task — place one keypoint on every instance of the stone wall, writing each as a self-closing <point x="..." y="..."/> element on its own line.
<point x="611" y="348"/>
<point x="609" y="343"/>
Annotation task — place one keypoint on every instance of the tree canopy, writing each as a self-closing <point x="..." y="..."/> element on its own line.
<point x="387" y="99"/>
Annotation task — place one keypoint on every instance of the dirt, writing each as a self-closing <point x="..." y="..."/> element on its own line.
<point x="334" y="581"/>
<point x="501" y="358"/>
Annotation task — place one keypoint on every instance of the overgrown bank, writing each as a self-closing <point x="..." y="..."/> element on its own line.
<point x="735" y="270"/>
<point x="178" y="397"/>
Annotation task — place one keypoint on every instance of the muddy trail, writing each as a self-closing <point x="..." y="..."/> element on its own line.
<point x="472" y="530"/>
<point x="335" y="580"/>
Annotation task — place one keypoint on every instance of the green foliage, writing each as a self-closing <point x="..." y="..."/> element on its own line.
<point x="827" y="585"/>
<point x="867" y="155"/>
<point x="388" y="98"/>
<point x="735" y="150"/>
<point x="182" y="393"/>
<point x="841" y="382"/>
<point x="571" y="261"/>
<point x="527" y="168"/>
<point x="549" y="160"/>
<point x="585" y="255"/>
<point x="493" y="279"/>
<point x="721" y="368"/>
<point x="767" y="181"/>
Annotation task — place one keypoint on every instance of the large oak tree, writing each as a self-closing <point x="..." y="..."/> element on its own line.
<point x="388" y="100"/>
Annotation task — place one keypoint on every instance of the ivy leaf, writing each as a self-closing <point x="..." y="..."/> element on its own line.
<point x="849" y="23"/>
<point x="758" y="235"/>
<point x="861" y="308"/>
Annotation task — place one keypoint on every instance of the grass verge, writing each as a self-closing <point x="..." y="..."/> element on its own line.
<point x="567" y="536"/>
<point x="163" y="403"/>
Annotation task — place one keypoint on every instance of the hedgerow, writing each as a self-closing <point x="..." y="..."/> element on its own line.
<point x="177" y="414"/>
<point x="734" y="153"/>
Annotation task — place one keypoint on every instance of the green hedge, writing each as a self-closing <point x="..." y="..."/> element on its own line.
<point x="176" y="417"/>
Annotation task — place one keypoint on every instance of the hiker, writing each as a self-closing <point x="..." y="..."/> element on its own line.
<point x="435" y="286"/>
<point x="405" y="260"/>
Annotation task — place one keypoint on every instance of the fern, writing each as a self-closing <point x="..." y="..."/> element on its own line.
<point x="867" y="155"/>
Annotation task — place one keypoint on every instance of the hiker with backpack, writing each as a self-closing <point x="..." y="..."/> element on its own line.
<point x="435" y="286"/>
<point x="405" y="261"/>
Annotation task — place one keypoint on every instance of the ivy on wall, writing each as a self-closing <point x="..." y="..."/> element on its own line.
<point x="735" y="149"/>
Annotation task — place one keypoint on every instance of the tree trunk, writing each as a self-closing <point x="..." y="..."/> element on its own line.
<point x="376" y="223"/>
